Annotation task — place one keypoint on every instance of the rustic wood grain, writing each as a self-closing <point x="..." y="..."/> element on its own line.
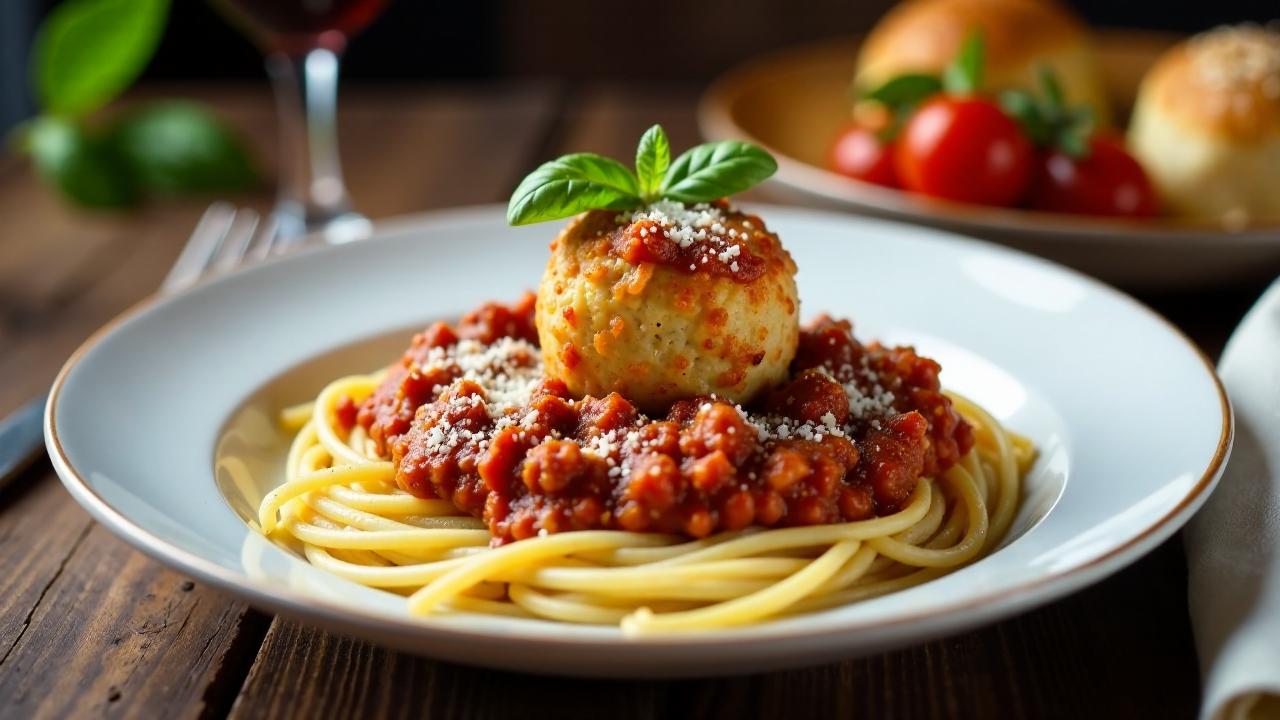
<point x="88" y="626"/>
<point x="47" y="530"/>
<point x="609" y="119"/>
<point x="127" y="636"/>
<point x="114" y="633"/>
<point x="670" y="41"/>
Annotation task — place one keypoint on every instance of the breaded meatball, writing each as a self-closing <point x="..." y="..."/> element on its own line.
<point x="668" y="302"/>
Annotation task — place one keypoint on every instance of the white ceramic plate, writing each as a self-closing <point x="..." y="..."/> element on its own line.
<point x="1131" y="422"/>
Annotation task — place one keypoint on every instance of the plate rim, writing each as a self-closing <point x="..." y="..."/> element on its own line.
<point x="716" y="121"/>
<point x="1031" y="593"/>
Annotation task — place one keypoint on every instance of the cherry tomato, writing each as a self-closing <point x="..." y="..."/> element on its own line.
<point x="860" y="154"/>
<point x="1106" y="182"/>
<point x="964" y="149"/>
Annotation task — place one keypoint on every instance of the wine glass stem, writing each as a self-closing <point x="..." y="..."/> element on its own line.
<point x="313" y="196"/>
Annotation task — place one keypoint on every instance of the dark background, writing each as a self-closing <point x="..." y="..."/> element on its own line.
<point x="574" y="40"/>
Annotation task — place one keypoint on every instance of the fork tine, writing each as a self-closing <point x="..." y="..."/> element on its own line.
<point x="204" y="241"/>
<point x="235" y="244"/>
<point x="264" y="240"/>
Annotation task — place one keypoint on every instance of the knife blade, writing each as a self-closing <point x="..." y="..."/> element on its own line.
<point x="21" y="439"/>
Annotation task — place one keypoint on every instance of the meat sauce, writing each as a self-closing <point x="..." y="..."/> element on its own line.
<point x="845" y="438"/>
<point x="720" y="248"/>
<point x="412" y="382"/>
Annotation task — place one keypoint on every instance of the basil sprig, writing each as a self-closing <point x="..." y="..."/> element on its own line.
<point x="88" y="52"/>
<point x="572" y="184"/>
<point x="579" y="182"/>
<point x="714" y="170"/>
<point x="653" y="157"/>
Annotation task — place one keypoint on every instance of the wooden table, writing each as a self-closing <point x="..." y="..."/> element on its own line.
<point x="90" y="627"/>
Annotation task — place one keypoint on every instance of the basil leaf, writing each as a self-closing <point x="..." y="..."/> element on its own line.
<point x="81" y="165"/>
<point x="714" y="170"/>
<point x="964" y="75"/>
<point x="903" y="92"/>
<point x="653" y="157"/>
<point x="572" y="184"/>
<point x="175" y="147"/>
<point x="88" y="51"/>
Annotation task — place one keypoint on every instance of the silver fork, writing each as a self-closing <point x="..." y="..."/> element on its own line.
<point x="224" y="238"/>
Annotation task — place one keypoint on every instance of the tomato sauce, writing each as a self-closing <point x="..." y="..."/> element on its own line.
<point x="646" y="241"/>
<point x="709" y="238"/>
<point x="845" y="438"/>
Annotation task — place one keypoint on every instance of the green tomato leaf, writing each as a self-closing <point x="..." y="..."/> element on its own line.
<point x="1073" y="144"/>
<point x="964" y="75"/>
<point x="1073" y="133"/>
<point x="904" y="92"/>
<point x="1051" y="89"/>
<point x="653" y="157"/>
<point x="714" y="170"/>
<point x="1082" y="116"/>
<point x="572" y="184"/>
<point x="88" y="51"/>
<point x="1025" y="109"/>
<point x="1048" y="120"/>
<point x="82" y="165"/>
<point x="176" y="147"/>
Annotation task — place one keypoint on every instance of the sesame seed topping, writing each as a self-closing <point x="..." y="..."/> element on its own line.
<point x="1238" y="58"/>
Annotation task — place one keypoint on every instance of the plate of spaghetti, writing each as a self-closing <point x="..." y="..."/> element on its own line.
<point x="649" y="441"/>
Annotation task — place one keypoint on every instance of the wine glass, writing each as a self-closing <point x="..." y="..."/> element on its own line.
<point x="303" y="41"/>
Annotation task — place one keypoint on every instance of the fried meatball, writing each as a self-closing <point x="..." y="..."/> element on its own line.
<point x="668" y="302"/>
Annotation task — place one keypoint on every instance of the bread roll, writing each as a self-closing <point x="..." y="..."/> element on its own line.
<point x="1020" y="36"/>
<point x="1206" y="126"/>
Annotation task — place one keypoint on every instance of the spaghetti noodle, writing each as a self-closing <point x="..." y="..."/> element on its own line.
<point x="341" y="503"/>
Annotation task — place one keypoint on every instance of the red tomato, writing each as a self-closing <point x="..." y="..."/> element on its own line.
<point x="860" y="154"/>
<point x="964" y="149"/>
<point x="1107" y="182"/>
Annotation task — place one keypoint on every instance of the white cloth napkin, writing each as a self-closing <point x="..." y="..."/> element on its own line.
<point x="1233" y="543"/>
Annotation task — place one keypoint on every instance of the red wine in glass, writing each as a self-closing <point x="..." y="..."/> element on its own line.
<point x="302" y="41"/>
<point x="296" y="26"/>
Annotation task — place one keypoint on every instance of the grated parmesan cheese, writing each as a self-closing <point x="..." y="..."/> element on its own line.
<point x="508" y="371"/>
<point x="700" y="226"/>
